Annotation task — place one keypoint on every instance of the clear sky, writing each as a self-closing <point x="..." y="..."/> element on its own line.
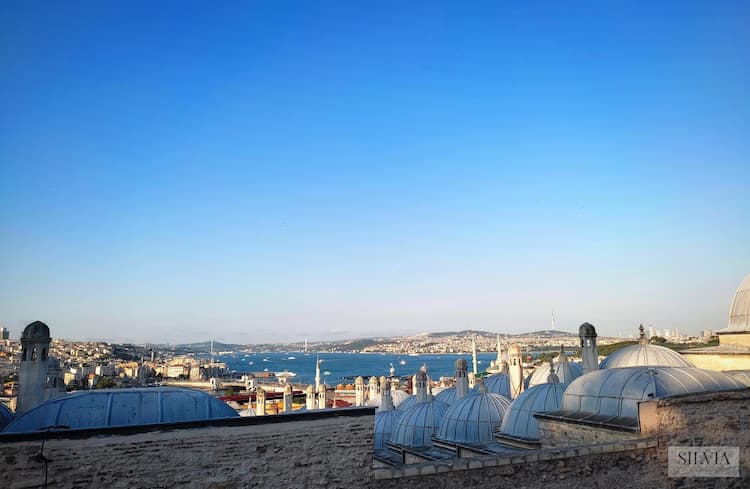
<point x="250" y="172"/>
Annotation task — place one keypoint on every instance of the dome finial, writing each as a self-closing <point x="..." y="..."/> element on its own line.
<point x="642" y="339"/>
<point x="552" y="378"/>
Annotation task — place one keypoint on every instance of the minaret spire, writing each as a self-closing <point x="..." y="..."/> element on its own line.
<point x="474" y="354"/>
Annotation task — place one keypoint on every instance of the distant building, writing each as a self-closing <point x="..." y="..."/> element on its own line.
<point x="4" y="333"/>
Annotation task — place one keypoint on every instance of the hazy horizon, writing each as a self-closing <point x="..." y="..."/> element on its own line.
<point x="257" y="173"/>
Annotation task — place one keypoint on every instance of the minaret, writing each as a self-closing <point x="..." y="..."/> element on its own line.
<point x="310" y="398"/>
<point x="359" y="391"/>
<point x="420" y="386"/>
<point x="317" y="373"/>
<point x="589" y="350"/>
<point x="260" y="402"/>
<point x="462" y="382"/>
<point x="386" y="400"/>
<point x="33" y="373"/>
<point x="322" y="401"/>
<point x="499" y="358"/>
<point x="642" y="340"/>
<point x="515" y="370"/>
<point x="288" y="396"/>
<point x="472" y="379"/>
<point x="374" y="388"/>
<point x="474" y="354"/>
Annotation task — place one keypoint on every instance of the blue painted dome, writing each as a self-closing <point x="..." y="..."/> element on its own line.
<point x="474" y="418"/>
<point x="497" y="384"/>
<point x="385" y="425"/>
<point x="741" y="375"/>
<point x="6" y="416"/>
<point x="520" y="422"/>
<point x="122" y="407"/>
<point x="419" y="423"/>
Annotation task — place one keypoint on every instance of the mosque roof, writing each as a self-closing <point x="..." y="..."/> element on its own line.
<point x="739" y="311"/>
<point x="497" y="384"/>
<point x="6" y="416"/>
<point x="519" y="422"/>
<point x="418" y="423"/>
<point x="121" y="407"/>
<point x="474" y="418"/>
<point x="566" y="371"/>
<point x="644" y="355"/>
<point x="36" y="331"/>
<point x="611" y="396"/>
<point x="385" y="425"/>
<point x="399" y="396"/>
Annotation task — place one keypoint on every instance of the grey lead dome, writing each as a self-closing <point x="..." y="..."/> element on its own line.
<point x="121" y="407"/>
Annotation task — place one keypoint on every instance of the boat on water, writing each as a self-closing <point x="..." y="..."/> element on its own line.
<point x="402" y="362"/>
<point x="285" y="374"/>
<point x="291" y="358"/>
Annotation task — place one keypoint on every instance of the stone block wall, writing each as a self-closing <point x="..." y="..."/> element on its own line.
<point x="330" y="452"/>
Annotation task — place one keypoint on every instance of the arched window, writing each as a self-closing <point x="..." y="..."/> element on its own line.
<point x="24" y="357"/>
<point x="44" y="354"/>
<point x="33" y="354"/>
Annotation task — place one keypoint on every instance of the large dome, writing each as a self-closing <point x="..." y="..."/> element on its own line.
<point x="36" y="331"/>
<point x="385" y="424"/>
<point x="474" y="418"/>
<point x="644" y="355"/>
<point x="739" y="311"/>
<point x="612" y="395"/>
<point x="520" y="422"/>
<point x="122" y="407"/>
<point x="418" y="423"/>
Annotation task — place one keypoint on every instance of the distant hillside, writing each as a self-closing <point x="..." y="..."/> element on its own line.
<point x="549" y="333"/>
<point x="206" y="346"/>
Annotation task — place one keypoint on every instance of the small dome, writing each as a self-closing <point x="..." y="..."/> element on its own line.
<point x="587" y="330"/>
<point x="614" y="393"/>
<point x="398" y="397"/>
<point x="36" y="331"/>
<point x="447" y="395"/>
<point x="247" y="412"/>
<point x="6" y="416"/>
<point x="566" y="373"/>
<point x="497" y="384"/>
<point x="474" y="418"/>
<point x="122" y="407"/>
<point x="644" y="355"/>
<point x="520" y="422"/>
<point x="385" y="425"/>
<point x="406" y="403"/>
<point x="418" y="423"/>
<point x="741" y="375"/>
<point x="739" y="311"/>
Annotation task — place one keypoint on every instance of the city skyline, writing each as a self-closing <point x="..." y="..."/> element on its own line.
<point x="265" y="173"/>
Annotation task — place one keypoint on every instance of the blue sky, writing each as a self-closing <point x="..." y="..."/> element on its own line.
<point x="251" y="172"/>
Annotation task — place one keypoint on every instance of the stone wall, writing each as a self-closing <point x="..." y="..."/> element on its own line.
<point x="556" y="434"/>
<point x="333" y="451"/>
